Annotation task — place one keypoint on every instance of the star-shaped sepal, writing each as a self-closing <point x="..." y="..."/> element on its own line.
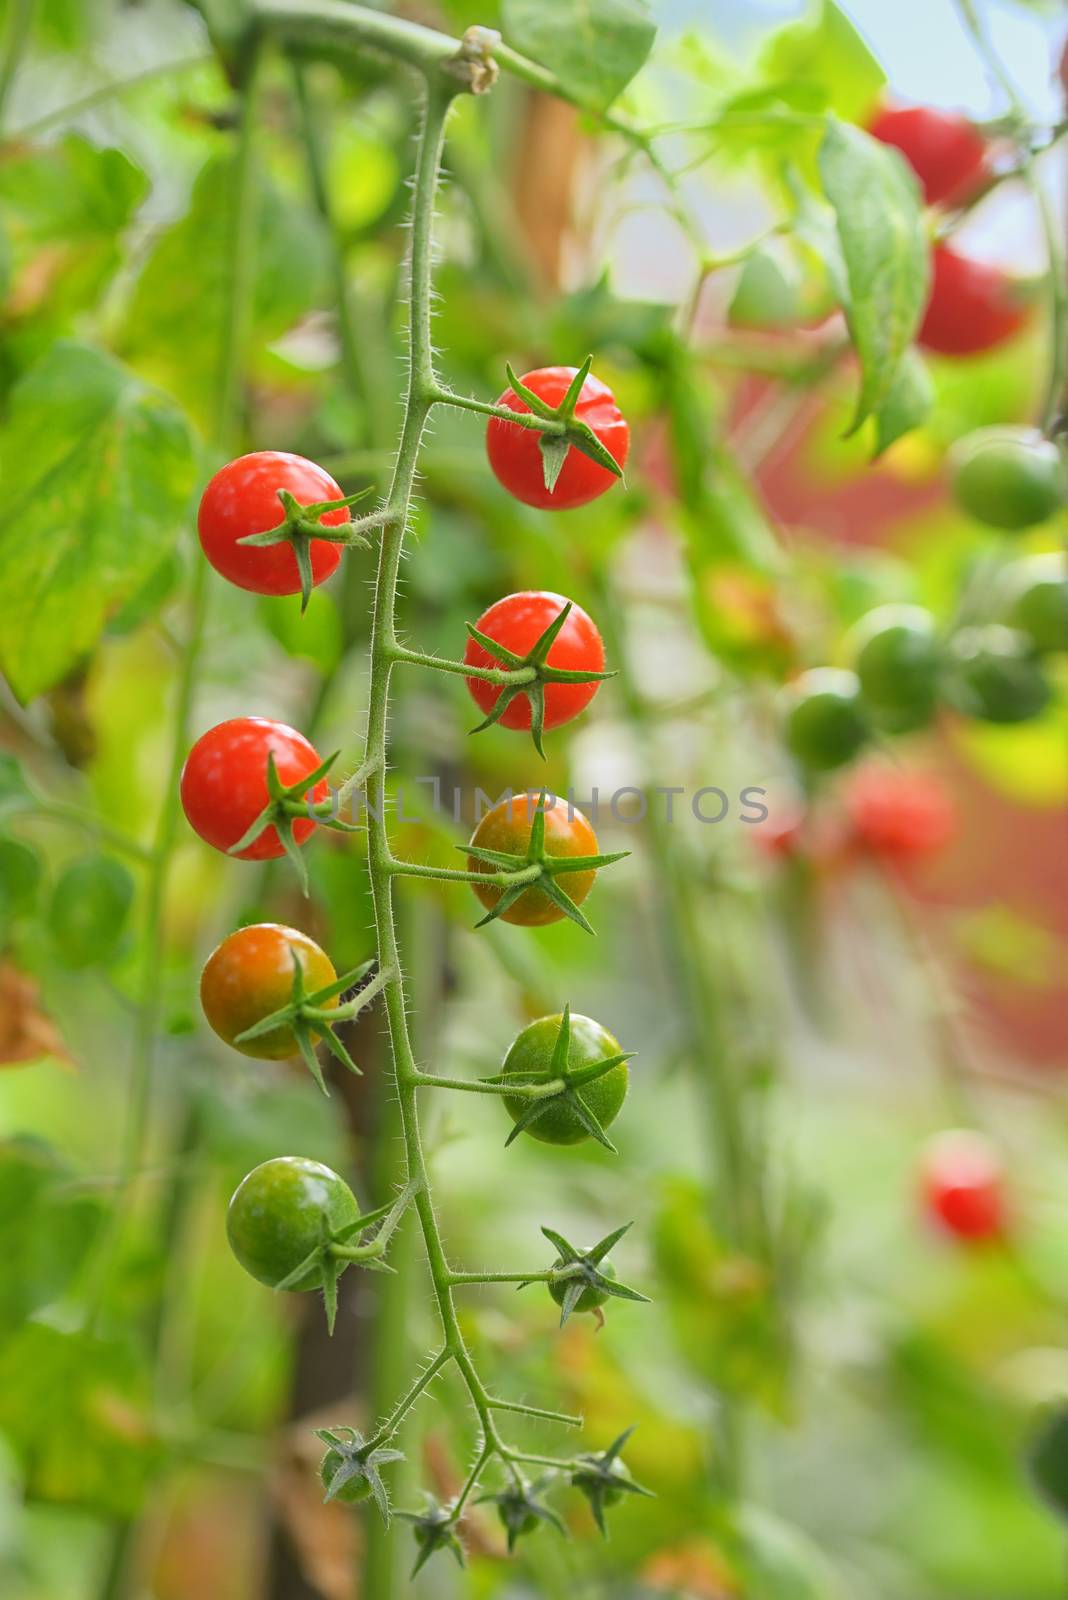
<point x="302" y="524"/>
<point x="351" y="1468"/>
<point x="549" y="868"/>
<point x="604" y="1479"/>
<point x="520" y="1510"/>
<point x="536" y="674"/>
<point x="556" y="443"/>
<point x="285" y="803"/>
<point x="337" y="1250"/>
<point x="308" y="1016"/>
<point x="434" y="1529"/>
<point x="572" y="1081"/>
<point x="577" y="1271"/>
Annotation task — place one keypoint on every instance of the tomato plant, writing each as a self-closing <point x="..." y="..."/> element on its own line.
<point x="964" y="1187"/>
<point x="284" y="1215"/>
<point x="1010" y="478"/>
<point x="519" y="624"/>
<point x="1038" y="601"/>
<point x="897" y="658"/>
<point x="250" y="975"/>
<point x="973" y="306"/>
<point x="226" y="788"/>
<point x="533" y="844"/>
<point x="947" y="152"/>
<point x="329" y="229"/>
<point x="561" y="1047"/>
<point x="825" y="723"/>
<point x="269" y="490"/>
<point x="524" y="464"/>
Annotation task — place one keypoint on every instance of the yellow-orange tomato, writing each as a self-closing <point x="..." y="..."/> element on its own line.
<point x="507" y="827"/>
<point x="250" y="975"/>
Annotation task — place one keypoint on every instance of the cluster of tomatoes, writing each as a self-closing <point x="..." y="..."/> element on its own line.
<point x="972" y="306"/>
<point x="254" y="788"/>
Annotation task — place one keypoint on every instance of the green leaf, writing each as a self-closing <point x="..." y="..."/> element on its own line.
<point x="76" y="1410"/>
<point x="65" y="205"/>
<point x="885" y="254"/>
<point x="88" y="910"/>
<point x="594" y="47"/>
<point x="14" y="793"/>
<point x="174" y="329"/>
<point x="1047" y="1460"/>
<point x="825" y="55"/>
<point x="316" y="636"/>
<point x="47" y="1224"/>
<point x="97" y="470"/>
<point x="20" y="879"/>
<point x="907" y="404"/>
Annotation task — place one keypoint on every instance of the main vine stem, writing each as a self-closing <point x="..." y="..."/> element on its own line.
<point x="385" y="650"/>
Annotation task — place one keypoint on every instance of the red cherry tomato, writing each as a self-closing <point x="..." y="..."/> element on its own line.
<point x="944" y="149"/>
<point x="518" y="622"/>
<point x="224" y="782"/>
<point x="972" y="306"/>
<point x="899" y="815"/>
<point x="242" y="498"/>
<point x="963" y="1186"/>
<point x="515" y="453"/>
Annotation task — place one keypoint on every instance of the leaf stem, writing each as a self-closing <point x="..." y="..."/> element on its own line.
<point x="503" y="675"/>
<point x="499" y="1277"/>
<point x="528" y="1091"/>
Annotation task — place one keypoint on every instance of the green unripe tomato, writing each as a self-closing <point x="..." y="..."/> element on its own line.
<point x="1009" y="478"/>
<point x="896" y="656"/>
<point x="995" y="675"/>
<point x="277" y="1216"/>
<point x="591" y="1297"/>
<point x="531" y="1053"/>
<point x="825" y="723"/>
<point x="351" y="1493"/>
<point x="1038" y="600"/>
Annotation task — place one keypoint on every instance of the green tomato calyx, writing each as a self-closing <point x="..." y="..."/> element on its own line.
<point x="287" y="801"/>
<point x="520" y="1509"/>
<point x="350" y="1468"/>
<point x="604" y="1479"/>
<point x="309" y="1017"/>
<point x="582" y="1280"/>
<point x="566" y="431"/>
<point x="302" y="524"/>
<point x="434" y="1529"/>
<point x="560" y="1085"/>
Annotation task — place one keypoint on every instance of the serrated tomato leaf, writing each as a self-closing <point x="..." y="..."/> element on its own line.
<point x="595" y="47"/>
<point x="98" y="470"/>
<point x="885" y="254"/>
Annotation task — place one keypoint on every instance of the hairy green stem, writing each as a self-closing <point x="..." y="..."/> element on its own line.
<point x="421" y="384"/>
<point x="503" y="675"/>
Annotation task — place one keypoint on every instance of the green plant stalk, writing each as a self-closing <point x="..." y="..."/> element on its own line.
<point x="1055" y="398"/>
<point x="381" y="866"/>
